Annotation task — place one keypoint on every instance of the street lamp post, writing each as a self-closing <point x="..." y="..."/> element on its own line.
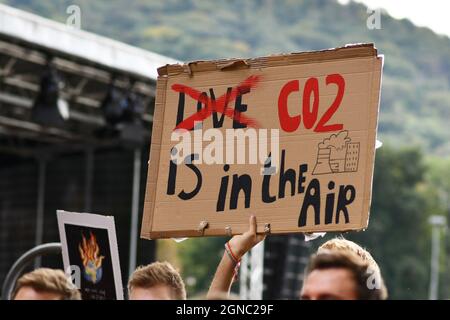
<point x="437" y="222"/>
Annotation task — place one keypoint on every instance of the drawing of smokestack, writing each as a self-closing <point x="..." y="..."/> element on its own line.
<point x="323" y="161"/>
<point x="337" y="154"/>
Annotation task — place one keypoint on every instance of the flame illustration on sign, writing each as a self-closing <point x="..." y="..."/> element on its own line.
<point x="90" y="256"/>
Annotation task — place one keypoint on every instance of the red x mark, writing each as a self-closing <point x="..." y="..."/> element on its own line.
<point x="219" y="105"/>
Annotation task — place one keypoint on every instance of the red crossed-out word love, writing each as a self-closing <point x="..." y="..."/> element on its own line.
<point x="217" y="105"/>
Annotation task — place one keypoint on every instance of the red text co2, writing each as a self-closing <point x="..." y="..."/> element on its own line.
<point x="309" y="111"/>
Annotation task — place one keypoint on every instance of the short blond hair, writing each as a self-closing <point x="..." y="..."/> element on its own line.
<point x="359" y="268"/>
<point x="340" y="244"/>
<point x="158" y="273"/>
<point x="49" y="280"/>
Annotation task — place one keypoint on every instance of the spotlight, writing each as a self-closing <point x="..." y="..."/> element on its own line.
<point x="133" y="132"/>
<point x="122" y="113"/>
<point x="46" y="106"/>
<point x="112" y="106"/>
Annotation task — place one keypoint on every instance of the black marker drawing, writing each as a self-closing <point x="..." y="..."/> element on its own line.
<point x="337" y="154"/>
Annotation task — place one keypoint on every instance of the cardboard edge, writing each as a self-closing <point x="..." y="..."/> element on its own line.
<point x="345" y="52"/>
<point x="220" y="232"/>
<point x="373" y="122"/>
<point x="154" y="158"/>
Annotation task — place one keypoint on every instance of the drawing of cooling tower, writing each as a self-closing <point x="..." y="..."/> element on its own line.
<point x="337" y="154"/>
<point x="323" y="161"/>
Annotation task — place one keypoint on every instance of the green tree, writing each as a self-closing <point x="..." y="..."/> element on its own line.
<point x="199" y="259"/>
<point x="416" y="82"/>
<point x="398" y="236"/>
<point x="437" y="188"/>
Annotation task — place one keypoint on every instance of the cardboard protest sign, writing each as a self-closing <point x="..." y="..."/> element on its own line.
<point x="288" y="138"/>
<point x="90" y="254"/>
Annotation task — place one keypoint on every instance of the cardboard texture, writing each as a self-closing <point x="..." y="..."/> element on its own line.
<point x="324" y="105"/>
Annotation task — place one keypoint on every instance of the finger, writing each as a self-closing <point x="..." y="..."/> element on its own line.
<point x="252" y="222"/>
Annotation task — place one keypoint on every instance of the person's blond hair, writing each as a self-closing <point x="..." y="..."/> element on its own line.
<point x="49" y="280"/>
<point x="359" y="269"/>
<point x="340" y="244"/>
<point x="158" y="273"/>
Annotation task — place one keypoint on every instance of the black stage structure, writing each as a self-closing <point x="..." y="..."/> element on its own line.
<point x="75" y="125"/>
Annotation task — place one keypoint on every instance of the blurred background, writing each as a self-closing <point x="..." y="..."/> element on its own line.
<point x="86" y="160"/>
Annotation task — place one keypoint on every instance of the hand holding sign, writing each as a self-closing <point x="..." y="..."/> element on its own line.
<point x="241" y="244"/>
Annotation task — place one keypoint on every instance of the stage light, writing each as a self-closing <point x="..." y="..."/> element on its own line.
<point x="122" y="113"/>
<point x="133" y="131"/>
<point x="112" y="106"/>
<point x="46" y="106"/>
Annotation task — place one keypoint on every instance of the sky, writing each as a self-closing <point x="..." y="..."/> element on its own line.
<point x="434" y="14"/>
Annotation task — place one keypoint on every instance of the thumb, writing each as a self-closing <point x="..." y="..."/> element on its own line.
<point x="252" y="223"/>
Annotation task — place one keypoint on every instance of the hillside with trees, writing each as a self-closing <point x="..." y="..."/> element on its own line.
<point x="415" y="105"/>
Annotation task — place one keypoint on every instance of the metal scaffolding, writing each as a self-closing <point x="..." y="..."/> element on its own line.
<point x="87" y="65"/>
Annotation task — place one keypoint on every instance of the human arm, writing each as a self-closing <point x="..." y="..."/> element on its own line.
<point x="238" y="246"/>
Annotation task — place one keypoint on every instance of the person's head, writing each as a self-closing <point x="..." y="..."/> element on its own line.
<point x="156" y="281"/>
<point x="45" y="284"/>
<point x="340" y="275"/>
<point x="341" y="244"/>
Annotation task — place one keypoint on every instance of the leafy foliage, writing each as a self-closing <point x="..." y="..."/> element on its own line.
<point x="199" y="259"/>
<point x="415" y="96"/>
<point x="398" y="235"/>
